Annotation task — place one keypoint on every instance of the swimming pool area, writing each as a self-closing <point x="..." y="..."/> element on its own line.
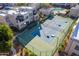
<point x="43" y="39"/>
<point x="57" y="9"/>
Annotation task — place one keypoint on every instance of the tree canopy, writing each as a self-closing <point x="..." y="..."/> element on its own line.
<point x="6" y="36"/>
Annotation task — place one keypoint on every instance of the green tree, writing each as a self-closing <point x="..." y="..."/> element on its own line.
<point x="21" y="4"/>
<point x="44" y="5"/>
<point x="6" y="36"/>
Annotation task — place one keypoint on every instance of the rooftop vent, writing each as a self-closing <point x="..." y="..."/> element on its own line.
<point x="47" y="36"/>
<point x="59" y="25"/>
<point x="25" y="23"/>
<point x="52" y="35"/>
<point x="65" y="22"/>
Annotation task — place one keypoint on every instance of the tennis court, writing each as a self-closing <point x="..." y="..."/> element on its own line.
<point x="43" y="39"/>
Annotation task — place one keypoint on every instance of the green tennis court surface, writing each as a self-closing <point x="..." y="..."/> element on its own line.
<point x="43" y="39"/>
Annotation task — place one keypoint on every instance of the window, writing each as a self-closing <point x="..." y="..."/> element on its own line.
<point x="36" y="17"/>
<point x="30" y="14"/>
<point x="77" y="47"/>
<point x="26" y="17"/>
<point x="23" y="25"/>
<point x="27" y="22"/>
<point x="34" y="12"/>
<point x="21" y="10"/>
<point x="20" y="18"/>
<point x="7" y="19"/>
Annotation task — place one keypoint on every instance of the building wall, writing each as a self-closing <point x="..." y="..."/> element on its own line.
<point x="56" y="54"/>
<point x="74" y="11"/>
<point x="68" y="46"/>
<point x="71" y="47"/>
<point x="12" y="19"/>
<point x="2" y="20"/>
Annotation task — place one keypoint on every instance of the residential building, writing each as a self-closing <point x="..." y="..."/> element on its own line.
<point x="46" y="11"/>
<point x="65" y="5"/>
<point x="30" y="7"/>
<point x="73" y="44"/>
<point x="4" y="5"/>
<point x="19" y="19"/>
<point x="2" y="17"/>
<point x="74" y="11"/>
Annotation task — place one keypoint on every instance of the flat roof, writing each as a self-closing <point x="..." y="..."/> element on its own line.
<point x="2" y="14"/>
<point x="44" y="37"/>
<point x="12" y="12"/>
